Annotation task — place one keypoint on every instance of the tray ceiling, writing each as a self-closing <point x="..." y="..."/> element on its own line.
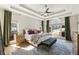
<point x="35" y="9"/>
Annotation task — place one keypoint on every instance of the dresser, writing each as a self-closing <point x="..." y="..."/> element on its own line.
<point x="78" y="44"/>
<point x="75" y="40"/>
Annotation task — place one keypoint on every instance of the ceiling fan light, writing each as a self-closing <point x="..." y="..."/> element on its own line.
<point x="45" y="14"/>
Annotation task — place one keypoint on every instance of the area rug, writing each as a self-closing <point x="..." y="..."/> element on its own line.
<point x="61" y="47"/>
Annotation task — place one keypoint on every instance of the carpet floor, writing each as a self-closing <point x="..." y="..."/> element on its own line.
<point x="61" y="47"/>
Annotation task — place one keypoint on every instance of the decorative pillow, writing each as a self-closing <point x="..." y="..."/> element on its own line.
<point x="33" y="31"/>
<point x="30" y="31"/>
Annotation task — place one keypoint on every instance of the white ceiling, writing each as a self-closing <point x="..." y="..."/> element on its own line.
<point x="41" y="7"/>
<point x="70" y="8"/>
<point x="34" y="9"/>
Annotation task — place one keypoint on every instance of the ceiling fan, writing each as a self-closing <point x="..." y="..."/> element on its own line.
<point x="47" y="9"/>
<point x="48" y="13"/>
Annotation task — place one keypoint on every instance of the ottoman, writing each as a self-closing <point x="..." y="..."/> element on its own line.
<point x="48" y="43"/>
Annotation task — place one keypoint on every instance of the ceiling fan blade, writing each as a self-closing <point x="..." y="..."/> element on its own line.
<point x="50" y="12"/>
<point x="47" y="10"/>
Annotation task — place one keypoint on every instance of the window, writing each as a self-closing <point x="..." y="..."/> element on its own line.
<point x="14" y="27"/>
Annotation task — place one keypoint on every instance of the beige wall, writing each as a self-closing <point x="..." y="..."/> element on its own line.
<point x="25" y="22"/>
<point x="73" y="24"/>
<point x="2" y="18"/>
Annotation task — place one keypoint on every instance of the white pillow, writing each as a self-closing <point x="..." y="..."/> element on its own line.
<point x="28" y="37"/>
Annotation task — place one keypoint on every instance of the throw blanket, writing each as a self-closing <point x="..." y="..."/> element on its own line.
<point x="37" y="38"/>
